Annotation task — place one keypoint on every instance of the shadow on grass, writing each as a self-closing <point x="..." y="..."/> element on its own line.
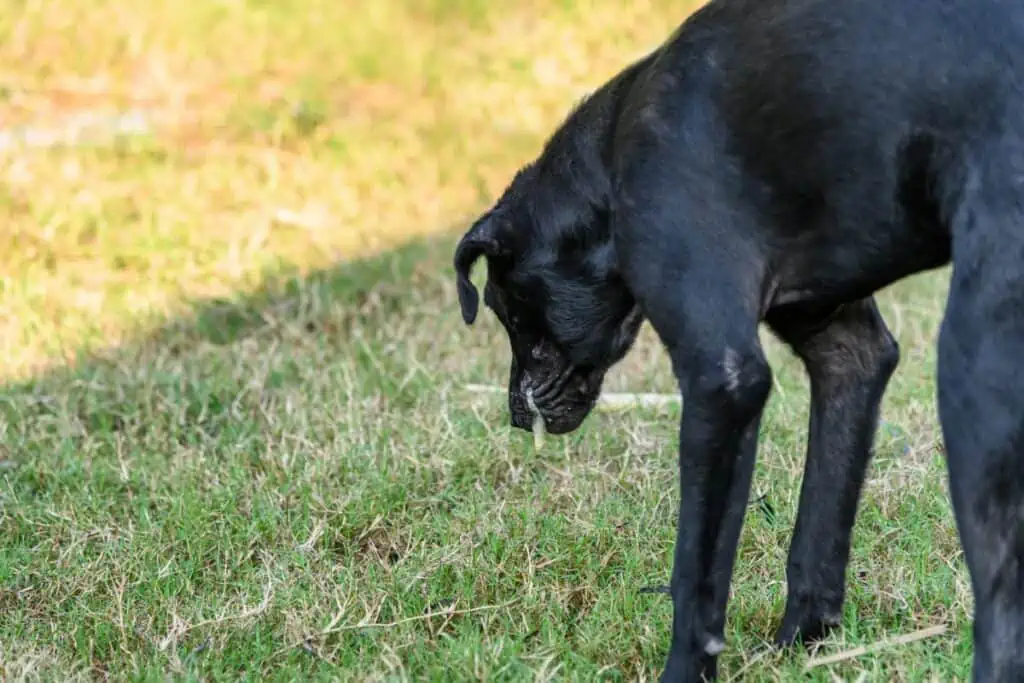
<point x="339" y="306"/>
<point x="149" y="494"/>
<point x="236" y="492"/>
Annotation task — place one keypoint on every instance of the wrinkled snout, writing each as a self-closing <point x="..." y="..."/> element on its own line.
<point x="562" y="395"/>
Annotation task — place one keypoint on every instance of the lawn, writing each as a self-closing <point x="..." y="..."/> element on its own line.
<point x="235" y="441"/>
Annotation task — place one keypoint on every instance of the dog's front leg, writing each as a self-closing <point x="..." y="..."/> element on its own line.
<point x="849" y="356"/>
<point x="689" y="252"/>
<point x="724" y="397"/>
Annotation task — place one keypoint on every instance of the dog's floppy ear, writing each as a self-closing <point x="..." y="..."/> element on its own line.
<point x="481" y="240"/>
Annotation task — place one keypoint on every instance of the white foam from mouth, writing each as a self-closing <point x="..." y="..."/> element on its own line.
<point x="539" y="428"/>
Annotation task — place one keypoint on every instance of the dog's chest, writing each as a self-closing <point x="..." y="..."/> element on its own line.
<point x="845" y="262"/>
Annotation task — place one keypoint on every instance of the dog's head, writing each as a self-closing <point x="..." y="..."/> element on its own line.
<point x="553" y="283"/>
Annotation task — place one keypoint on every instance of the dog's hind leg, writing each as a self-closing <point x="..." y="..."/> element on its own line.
<point x="849" y="356"/>
<point x="981" y="408"/>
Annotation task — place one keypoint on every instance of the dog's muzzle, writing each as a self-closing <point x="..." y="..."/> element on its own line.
<point x="561" y="401"/>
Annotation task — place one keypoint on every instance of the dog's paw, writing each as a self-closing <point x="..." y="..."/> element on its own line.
<point x="806" y="621"/>
<point x="690" y="669"/>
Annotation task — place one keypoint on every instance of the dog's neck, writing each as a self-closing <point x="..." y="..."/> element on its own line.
<point x="574" y="166"/>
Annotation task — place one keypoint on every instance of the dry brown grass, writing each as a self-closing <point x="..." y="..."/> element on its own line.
<point x="284" y="136"/>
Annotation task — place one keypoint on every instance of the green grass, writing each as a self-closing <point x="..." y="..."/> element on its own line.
<point x="233" y="446"/>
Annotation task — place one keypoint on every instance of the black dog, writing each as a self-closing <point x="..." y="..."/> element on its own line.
<point x="780" y="161"/>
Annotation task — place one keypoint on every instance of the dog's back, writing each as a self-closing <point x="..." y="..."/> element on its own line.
<point x="834" y="82"/>
<point x="845" y="121"/>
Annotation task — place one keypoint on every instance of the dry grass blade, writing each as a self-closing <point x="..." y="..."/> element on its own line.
<point x="180" y="628"/>
<point x="421" y="617"/>
<point x="89" y="127"/>
<point x="447" y="613"/>
<point x="905" y="639"/>
<point x="607" y="401"/>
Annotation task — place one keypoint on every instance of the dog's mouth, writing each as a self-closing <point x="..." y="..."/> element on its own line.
<point x="556" y="386"/>
<point x="558" y="404"/>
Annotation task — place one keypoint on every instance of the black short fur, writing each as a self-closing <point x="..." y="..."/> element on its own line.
<point x="778" y="162"/>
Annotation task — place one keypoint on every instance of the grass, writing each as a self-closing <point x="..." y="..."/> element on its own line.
<point x="234" y="443"/>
